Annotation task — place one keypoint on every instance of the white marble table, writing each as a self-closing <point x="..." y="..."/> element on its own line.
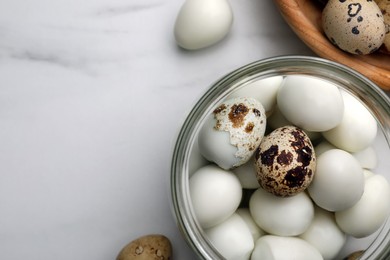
<point x="92" y="94"/>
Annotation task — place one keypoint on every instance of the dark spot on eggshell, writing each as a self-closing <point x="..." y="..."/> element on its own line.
<point x="305" y="155"/>
<point x="249" y="127"/>
<point x="267" y="157"/>
<point x="237" y="114"/>
<point x="354" y="9"/>
<point x="256" y="112"/>
<point x="285" y="157"/>
<point x="355" y="30"/>
<point x="219" y="109"/>
<point x="357" y="51"/>
<point x="295" y="177"/>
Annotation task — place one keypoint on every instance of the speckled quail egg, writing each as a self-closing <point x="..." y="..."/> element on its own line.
<point x="285" y="161"/>
<point x="354" y="26"/>
<point x="152" y="246"/>
<point x="384" y="6"/>
<point x="231" y="134"/>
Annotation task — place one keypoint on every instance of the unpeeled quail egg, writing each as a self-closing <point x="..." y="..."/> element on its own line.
<point x="201" y="23"/>
<point x="152" y="246"/>
<point x="231" y="134"/>
<point x="384" y="6"/>
<point x="354" y="26"/>
<point x="285" y="161"/>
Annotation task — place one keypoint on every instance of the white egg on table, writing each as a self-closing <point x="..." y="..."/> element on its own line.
<point x="310" y="103"/>
<point x="215" y="194"/>
<point x="232" y="238"/>
<point x="202" y="23"/>
<point x="264" y="90"/>
<point x="358" y="127"/>
<point x="324" y="234"/>
<point x="256" y="231"/>
<point x="370" y="212"/>
<point x="246" y="173"/>
<point x="338" y="182"/>
<point x="232" y="133"/>
<point x="271" y="247"/>
<point x="289" y="216"/>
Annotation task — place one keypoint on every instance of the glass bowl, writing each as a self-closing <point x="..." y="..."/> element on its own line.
<point x="186" y="158"/>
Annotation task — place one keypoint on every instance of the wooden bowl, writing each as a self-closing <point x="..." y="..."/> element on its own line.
<point x="304" y="17"/>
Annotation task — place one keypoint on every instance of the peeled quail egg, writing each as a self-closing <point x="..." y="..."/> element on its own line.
<point x="310" y="103"/>
<point x="232" y="238"/>
<point x="264" y="90"/>
<point x="357" y="129"/>
<point x="369" y="213"/>
<point x="366" y="157"/>
<point x="232" y="132"/>
<point x="289" y="216"/>
<point x="256" y="231"/>
<point x="276" y="247"/>
<point x="215" y="194"/>
<point x="201" y="23"/>
<point x="285" y="161"/>
<point x="246" y="173"/>
<point x="356" y="27"/>
<point x="338" y="182"/>
<point x="324" y="234"/>
<point x="277" y="119"/>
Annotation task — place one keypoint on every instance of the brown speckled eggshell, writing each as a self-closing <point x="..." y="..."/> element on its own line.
<point x="285" y="161"/>
<point x="354" y="26"/>
<point x="149" y="247"/>
<point x="384" y="6"/>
